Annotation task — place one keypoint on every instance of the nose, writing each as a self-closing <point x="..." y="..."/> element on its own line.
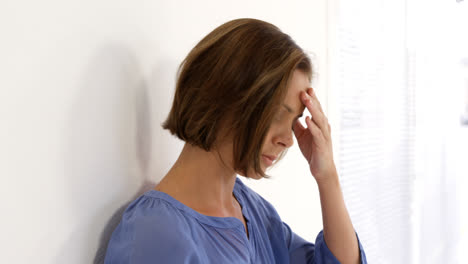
<point x="285" y="139"/>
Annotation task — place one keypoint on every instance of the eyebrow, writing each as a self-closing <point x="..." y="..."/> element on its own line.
<point x="291" y="111"/>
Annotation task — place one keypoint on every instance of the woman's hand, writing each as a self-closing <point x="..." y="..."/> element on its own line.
<point x="315" y="140"/>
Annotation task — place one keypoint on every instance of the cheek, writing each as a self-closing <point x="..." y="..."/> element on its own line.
<point x="269" y="136"/>
<point x="279" y="127"/>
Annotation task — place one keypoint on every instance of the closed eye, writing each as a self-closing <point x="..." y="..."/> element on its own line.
<point x="291" y="111"/>
<point x="278" y="116"/>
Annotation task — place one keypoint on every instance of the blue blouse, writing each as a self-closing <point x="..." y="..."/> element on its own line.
<point x="156" y="228"/>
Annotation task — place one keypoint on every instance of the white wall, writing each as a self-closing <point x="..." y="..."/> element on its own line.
<point x="84" y="87"/>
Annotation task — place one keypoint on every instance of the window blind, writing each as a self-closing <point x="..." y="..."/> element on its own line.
<point x="375" y="108"/>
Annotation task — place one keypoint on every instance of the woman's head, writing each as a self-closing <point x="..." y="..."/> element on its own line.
<point x="231" y="87"/>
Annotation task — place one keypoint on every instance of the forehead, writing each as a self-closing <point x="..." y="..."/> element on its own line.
<point x="298" y="83"/>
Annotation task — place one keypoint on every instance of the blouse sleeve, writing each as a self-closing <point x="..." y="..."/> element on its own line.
<point x="149" y="233"/>
<point x="303" y="252"/>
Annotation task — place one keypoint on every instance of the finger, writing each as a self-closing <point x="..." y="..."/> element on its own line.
<point x="324" y="120"/>
<point x="298" y="129"/>
<point x="318" y="117"/>
<point x="313" y="128"/>
<point x="315" y="100"/>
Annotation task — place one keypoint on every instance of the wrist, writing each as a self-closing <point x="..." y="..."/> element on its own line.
<point x="330" y="179"/>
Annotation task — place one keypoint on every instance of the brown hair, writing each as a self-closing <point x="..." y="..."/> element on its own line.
<point x="234" y="79"/>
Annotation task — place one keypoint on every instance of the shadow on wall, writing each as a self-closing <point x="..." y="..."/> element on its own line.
<point x="107" y="233"/>
<point x="113" y="223"/>
<point x="107" y="149"/>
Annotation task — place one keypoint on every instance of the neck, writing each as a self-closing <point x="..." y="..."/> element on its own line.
<point x="202" y="180"/>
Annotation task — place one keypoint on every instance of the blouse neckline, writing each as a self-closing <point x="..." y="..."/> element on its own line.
<point x="220" y="222"/>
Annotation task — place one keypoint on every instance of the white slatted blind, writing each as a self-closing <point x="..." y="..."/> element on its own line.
<point x="437" y="48"/>
<point x="376" y="120"/>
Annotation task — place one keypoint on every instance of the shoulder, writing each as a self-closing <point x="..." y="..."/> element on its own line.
<point x="151" y="214"/>
<point x="150" y="228"/>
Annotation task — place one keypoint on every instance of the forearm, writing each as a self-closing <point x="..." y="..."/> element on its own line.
<point x="338" y="230"/>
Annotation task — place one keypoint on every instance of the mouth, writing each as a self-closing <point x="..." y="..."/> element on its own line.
<point x="268" y="159"/>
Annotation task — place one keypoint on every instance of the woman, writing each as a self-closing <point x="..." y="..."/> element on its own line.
<point x="238" y="97"/>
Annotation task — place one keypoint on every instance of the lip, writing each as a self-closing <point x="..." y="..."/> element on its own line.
<point x="268" y="159"/>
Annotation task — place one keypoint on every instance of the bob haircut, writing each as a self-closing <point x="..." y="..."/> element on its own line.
<point x="233" y="80"/>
